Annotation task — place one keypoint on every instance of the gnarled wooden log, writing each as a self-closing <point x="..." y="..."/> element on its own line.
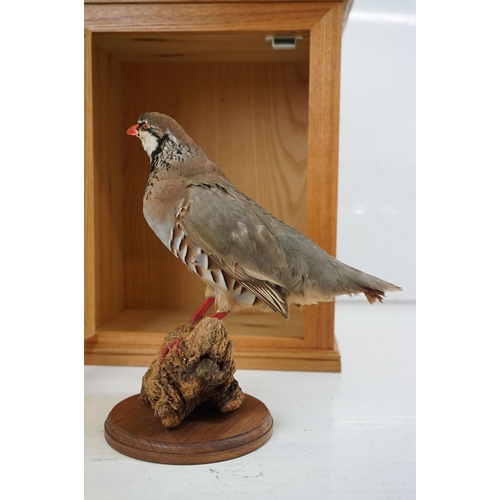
<point x="197" y="369"/>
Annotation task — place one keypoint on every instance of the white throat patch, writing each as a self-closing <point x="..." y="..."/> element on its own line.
<point x="149" y="142"/>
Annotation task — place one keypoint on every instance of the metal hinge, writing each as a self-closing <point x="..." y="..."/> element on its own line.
<point x="283" y="41"/>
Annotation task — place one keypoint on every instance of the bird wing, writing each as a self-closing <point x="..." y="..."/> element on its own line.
<point x="232" y="229"/>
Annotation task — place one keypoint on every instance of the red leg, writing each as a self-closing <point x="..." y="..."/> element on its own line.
<point x="199" y="314"/>
<point x="220" y="315"/>
<point x="202" y="310"/>
<point x="169" y="346"/>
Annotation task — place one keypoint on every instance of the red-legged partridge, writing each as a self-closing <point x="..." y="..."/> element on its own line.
<point x="246" y="257"/>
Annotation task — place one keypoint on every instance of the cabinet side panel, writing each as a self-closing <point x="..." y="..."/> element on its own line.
<point x="108" y="183"/>
<point x="89" y="250"/>
<point x="322" y="177"/>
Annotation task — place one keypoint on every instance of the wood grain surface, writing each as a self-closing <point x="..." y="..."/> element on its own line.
<point x="89" y="209"/>
<point x="261" y="341"/>
<point x="107" y="186"/>
<point x="269" y="120"/>
<point x="322" y="167"/>
<point x="251" y="118"/>
<point x="203" y="17"/>
<point x="204" y="1"/>
<point x="205" y="436"/>
<point x="162" y="47"/>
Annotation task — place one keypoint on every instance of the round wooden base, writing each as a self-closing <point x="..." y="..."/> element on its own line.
<point x="204" y="436"/>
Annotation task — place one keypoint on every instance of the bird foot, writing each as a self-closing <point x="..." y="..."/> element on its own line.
<point x="175" y="343"/>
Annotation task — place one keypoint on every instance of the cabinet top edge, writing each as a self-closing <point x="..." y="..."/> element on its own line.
<point x="346" y="2"/>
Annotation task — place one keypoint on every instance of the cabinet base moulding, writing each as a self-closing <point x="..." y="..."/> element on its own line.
<point x="319" y="360"/>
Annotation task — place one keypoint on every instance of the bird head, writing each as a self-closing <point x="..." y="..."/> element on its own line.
<point x="156" y="130"/>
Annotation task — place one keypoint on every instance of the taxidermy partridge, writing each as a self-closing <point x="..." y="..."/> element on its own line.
<point x="246" y="257"/>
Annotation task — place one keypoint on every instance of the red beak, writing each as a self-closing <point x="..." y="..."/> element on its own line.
<point x="133" y="129"/>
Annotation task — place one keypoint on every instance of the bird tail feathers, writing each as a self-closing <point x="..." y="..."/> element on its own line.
<point x="375" y="288"/>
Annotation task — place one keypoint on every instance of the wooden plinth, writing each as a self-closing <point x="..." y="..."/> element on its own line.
<point x="205" y="436"/>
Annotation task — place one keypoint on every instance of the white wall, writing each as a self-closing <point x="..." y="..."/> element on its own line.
<point x="376" y="218"/>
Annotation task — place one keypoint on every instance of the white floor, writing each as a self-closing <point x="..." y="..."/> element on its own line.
<point x="350" y="436"/>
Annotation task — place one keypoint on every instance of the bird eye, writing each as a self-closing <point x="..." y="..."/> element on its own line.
<point x="144" y="126"/>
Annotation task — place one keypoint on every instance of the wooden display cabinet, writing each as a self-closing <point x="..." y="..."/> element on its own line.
<point x="268" y="117"/>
